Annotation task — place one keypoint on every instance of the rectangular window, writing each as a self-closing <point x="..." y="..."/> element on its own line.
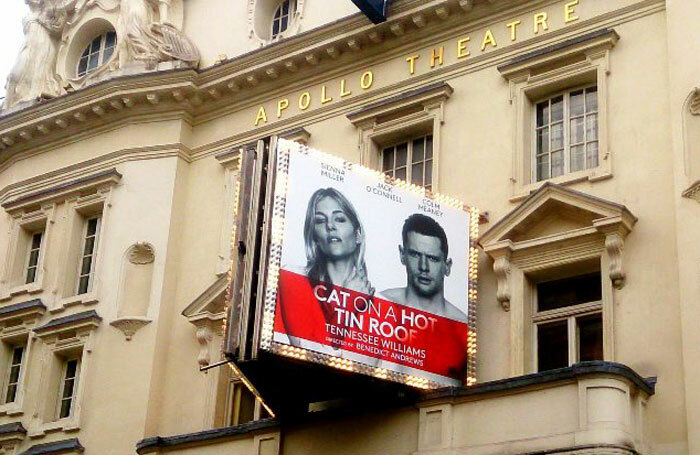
<point x="14" y="372"/>
<point x="242" y="404"/>
<point x="33" y="256"/>
<point x="88" y="250"/>
<point x="568" y="321"/>
<point x="566" y="133"/>
<point x="411" y="161"/>
<point x="69" y="386"/>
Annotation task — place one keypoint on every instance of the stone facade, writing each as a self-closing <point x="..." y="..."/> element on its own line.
<point x="122" y="182"/>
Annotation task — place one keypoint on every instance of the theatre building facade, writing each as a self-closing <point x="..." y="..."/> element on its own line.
<point x="574" y="127"/>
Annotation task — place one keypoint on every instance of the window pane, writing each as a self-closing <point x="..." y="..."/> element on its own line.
<point x="557" y="163"/>
<point x="542" y="167"/>
<point x="576" y="107"/>
<point x="557" y="109"/>
<point x="283" y="25"/>
<point x="14" y="374"/>
<point x="246" y="411"/>
<point x="401" y="154"/>
<point x="543" y="141"/>
<point x="65" y="408"/>
<point x="577" y="130"/>
<point x="428" y="147"/>
<point x="95" y="45"/>
<point x="418" y="154"/>
<point x="568" y="291"/>
<point x="388" y="159"/>
<point x="428" y="173"/>
<point x="83" y="284"/>
<point x="543" y="113"/>
<point x="558" y="136"/>
<point x="552" y="346"/>
<point x="36" y="240"/>
<point x="71" y="368"/>
<point x="578" y="159"/>
<point x="590" y="336"/>
<point x="401" y="173"/>
<point x="92" y="226"/>
<point x="82" y="66"/>
<point x="592" y="155"/>
<point x="85" y="267"/>
<point x="592" y="127"/>
<point x="592" y="99"/>
<point x="93" y="62"/>
<point x="275" y="27"/>
<point x="108" y="53"/>
<point x="111" y="39"/>
<point x="68" y="388"/>
<point x="31" y="275"/>
<point x="33" y="258"/>
<point x="89" y="245"/>
<point x="17" y="355"/>
<point x="417" y="174"/>
<point x="285" y="7"/>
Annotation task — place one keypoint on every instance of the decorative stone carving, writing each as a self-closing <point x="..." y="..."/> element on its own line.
<point x="501" y="267"/>
<point x="695" y="103"/>
<point x="34" y="75"/>
<point x="204" y="337"/>
<point x="613" y="246"/>
<point x="129" y="326"/>
<point x="693" y="191"/>
<point x="141" y="253"/>
<point x="145" y="34"/>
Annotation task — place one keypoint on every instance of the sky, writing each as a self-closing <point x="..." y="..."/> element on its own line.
<point x="11" y="36"/>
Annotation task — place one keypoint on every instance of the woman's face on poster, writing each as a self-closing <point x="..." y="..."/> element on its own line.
<point x="334" y="234"/>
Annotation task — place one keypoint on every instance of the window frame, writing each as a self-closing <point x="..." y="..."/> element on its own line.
<point x="86" y="54"/>
<point x="578" y="61"/>
<point x="566" y="127"/>
<point x="409" y="140"/>
<point x="93" y="254"/>
<point x="275" y="19"/>
<point x="40" y="249"/>
<point x="571" y="314"/>
<point x="22" y="367"/>
<point x="61" y="389"/>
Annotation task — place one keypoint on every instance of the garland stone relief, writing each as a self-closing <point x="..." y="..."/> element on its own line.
<point x="145" y="35"/>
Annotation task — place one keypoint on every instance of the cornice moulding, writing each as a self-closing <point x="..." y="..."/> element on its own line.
<point x="202" y="95"/>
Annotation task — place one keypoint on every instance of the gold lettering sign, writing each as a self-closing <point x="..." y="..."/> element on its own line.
<point x="434" y="58"/>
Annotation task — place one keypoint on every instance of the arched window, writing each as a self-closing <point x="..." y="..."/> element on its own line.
<point x="282" y="18"/>
<point x="97" y="53"/>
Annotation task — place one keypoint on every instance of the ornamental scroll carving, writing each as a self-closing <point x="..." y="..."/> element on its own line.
<point x="501" y="267"/>
<point x="146" y="34"/>
<point x="613" y="246"/>
<point x="694" y="105"/>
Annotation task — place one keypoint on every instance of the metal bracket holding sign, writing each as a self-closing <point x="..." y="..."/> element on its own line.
<point x="375" y="10"/>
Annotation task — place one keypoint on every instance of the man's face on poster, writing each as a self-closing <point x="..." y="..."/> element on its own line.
<point x="426" y="264"/>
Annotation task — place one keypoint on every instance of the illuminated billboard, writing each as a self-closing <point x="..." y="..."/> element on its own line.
<point x="368" y="274"/>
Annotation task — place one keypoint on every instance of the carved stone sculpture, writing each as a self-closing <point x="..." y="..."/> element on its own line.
<point x="142" y="38"/>
<point x="34" y="75"/>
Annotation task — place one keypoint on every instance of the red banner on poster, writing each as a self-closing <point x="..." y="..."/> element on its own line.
<point x="332" y="319"/>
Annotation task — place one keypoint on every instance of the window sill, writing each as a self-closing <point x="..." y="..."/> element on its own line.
<point x="31" y="288"/>
<point x="82" y="299"/>
<point x="11" y="409"/>
<point x="592" y="175"/>
<point x="66" y="425"/>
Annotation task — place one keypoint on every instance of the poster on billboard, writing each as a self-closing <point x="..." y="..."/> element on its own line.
<point x="369" y="274"/>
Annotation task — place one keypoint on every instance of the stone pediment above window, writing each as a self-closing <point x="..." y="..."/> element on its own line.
<point x="556" y="225"/>
<point x="20" y="317"/>
<point x="207" y="313"/>
<point x="81" y="187"/>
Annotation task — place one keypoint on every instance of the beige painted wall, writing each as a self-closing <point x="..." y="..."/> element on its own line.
<point x="171" y="195"/>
